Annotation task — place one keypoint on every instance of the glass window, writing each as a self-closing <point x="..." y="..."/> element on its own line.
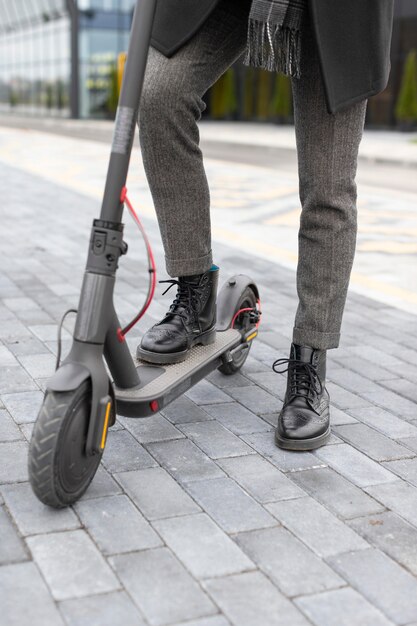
<point x="35" y="57"/>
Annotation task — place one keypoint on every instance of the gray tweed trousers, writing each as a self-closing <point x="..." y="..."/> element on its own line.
<point x="327" y="149"/>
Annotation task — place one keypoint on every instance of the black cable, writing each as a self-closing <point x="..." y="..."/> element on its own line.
<point x="58" y="355"/>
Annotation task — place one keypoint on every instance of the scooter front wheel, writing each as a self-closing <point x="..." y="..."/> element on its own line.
<point x="59" y="469"/>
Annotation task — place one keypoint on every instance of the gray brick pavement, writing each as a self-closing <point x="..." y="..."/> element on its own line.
<point x="195" y="517"/>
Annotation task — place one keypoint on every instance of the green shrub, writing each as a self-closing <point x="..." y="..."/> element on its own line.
<point x="281" y="103"/>
<point x="223" y="99"/>
<point x="406" y="107"/>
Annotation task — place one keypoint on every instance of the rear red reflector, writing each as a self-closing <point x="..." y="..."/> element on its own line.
<point x="154" y="405"/>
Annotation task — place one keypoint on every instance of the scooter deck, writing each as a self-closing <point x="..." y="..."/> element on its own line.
<point x="161" y="384"/>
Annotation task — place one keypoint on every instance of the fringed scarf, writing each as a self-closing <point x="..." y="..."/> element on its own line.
<point x="274" y="35"/>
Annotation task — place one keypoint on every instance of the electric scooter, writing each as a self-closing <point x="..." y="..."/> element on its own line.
<point x="99" y="378"/>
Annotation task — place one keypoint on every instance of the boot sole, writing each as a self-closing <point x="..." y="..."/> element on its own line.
<point x="167" y="358"/>
<point x="302" y="444"/>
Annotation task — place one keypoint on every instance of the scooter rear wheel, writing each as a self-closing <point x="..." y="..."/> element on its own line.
<point x="59" y="469"/>
<point x="243" y="324"/>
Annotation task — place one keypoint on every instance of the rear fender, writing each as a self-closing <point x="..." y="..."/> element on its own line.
<point x="229" y="297"/>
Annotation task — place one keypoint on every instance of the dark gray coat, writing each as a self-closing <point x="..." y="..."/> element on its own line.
<point x="353" y="39"/>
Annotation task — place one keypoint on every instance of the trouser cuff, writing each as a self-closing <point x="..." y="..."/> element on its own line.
<point x="315" y="339"/>
<point x="185" y="267"/>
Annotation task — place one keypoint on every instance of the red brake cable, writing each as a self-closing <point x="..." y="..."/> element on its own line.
<point x="122" y="332"/>
<point x="257" y="308"/>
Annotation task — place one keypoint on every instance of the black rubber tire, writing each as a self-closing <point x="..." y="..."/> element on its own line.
<point x="59" y="470"/>
<point x="247" y="299"/>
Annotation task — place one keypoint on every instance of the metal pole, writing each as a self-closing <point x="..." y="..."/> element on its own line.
<point x="127" y="112"/>
<point x="75" y="74"/>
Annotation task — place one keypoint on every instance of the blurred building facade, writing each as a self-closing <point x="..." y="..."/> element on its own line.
<point x="59" y="58"/>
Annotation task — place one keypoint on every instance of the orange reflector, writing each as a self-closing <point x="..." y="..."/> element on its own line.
<point x="252" y="336"/>
<point x="154" y="405"/>
<point x="106" y="422"/>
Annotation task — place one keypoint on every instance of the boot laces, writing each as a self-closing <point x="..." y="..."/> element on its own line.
<point x="302" y="377"/>
<point x="185" y="298"/>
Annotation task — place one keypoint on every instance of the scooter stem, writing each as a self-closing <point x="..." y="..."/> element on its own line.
<point x="128" y="109"/>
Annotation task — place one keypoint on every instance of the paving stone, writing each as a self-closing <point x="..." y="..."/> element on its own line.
<point x="382" y="581"/>
<point x="161" y="587"/>
<point x="124" y="453"/>
<point x="13" y="331"/>
<point x="20" y="304"/>
<point x="215" y="440"/>
<point x="13" y="461"/>
<point x="25" y="599"/>
<point x="409" y="442"/>
<point x="405" y="388"/>
<point x="337" y="417"/>
<point x="5" y="313"/>
<point x="354" y="465"/>
<point x="27" y="430"/>
<point x="148" y="429"/>
<point x="102" y="485"/>
<point x="254" y="365"/>
<point x="183" y="410"/>
<point x="63" y="556"/>
<point x="27" y="345"/>
<point x="116" y="525"/>
<point x="344" y="399"/>
<point x="374" y="355"/>
<point x="222" y="380"/>
<point x="39" y="365"/>
<point x="156" y="494"/>
<point x="14" y="379"/>
<point x="8" y="429"/>
<point x="23" y="407"/>
<point x="350" y="380"/>
<point x="391" y="534"/>
<point x="385" y="422"/>
<point x="405" y="468"/>
<point x="272" y="382"/>
<point x="215" y="620"/>
<point x="202" y="547"/>
<point x="315" y="526"/>
<point x="12" y="548"/>
<point x="399" y="496"/>
<point x="33" y="316"/>
<point x="259" y="478"/>
<point x="229" y="505"/>
<point x="293" y="567"/>
<point x="31" y="516"/>
<point x="110" y="609"/>
<point x="402" y="407"/>
<point x="372" y="443"/>
<point x="237" y="418"/>
<point x="364" y="367"/>
<point x="345" y="606"/>
<point x="264" y="353"/>
<point x="48" y="332"/>
<point x="255" y="399"/>
<point x="250" y="599"/>
<point x="336" y="493"/>
<point x="285" y="460"/>
<point x="204" y="392"/>
<point x="7" y="357"/>
<point x="184" y="460"/>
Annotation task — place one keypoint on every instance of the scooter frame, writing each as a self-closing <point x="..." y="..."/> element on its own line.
<point x="97" y="325"/>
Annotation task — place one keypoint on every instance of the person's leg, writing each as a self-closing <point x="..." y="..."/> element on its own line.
<point x="170" y="109"/>
<point x="327" y="146"/>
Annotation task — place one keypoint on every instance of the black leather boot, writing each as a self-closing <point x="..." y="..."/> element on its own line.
<point x="191" y="320"/>
<point x="304" y="420"/>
